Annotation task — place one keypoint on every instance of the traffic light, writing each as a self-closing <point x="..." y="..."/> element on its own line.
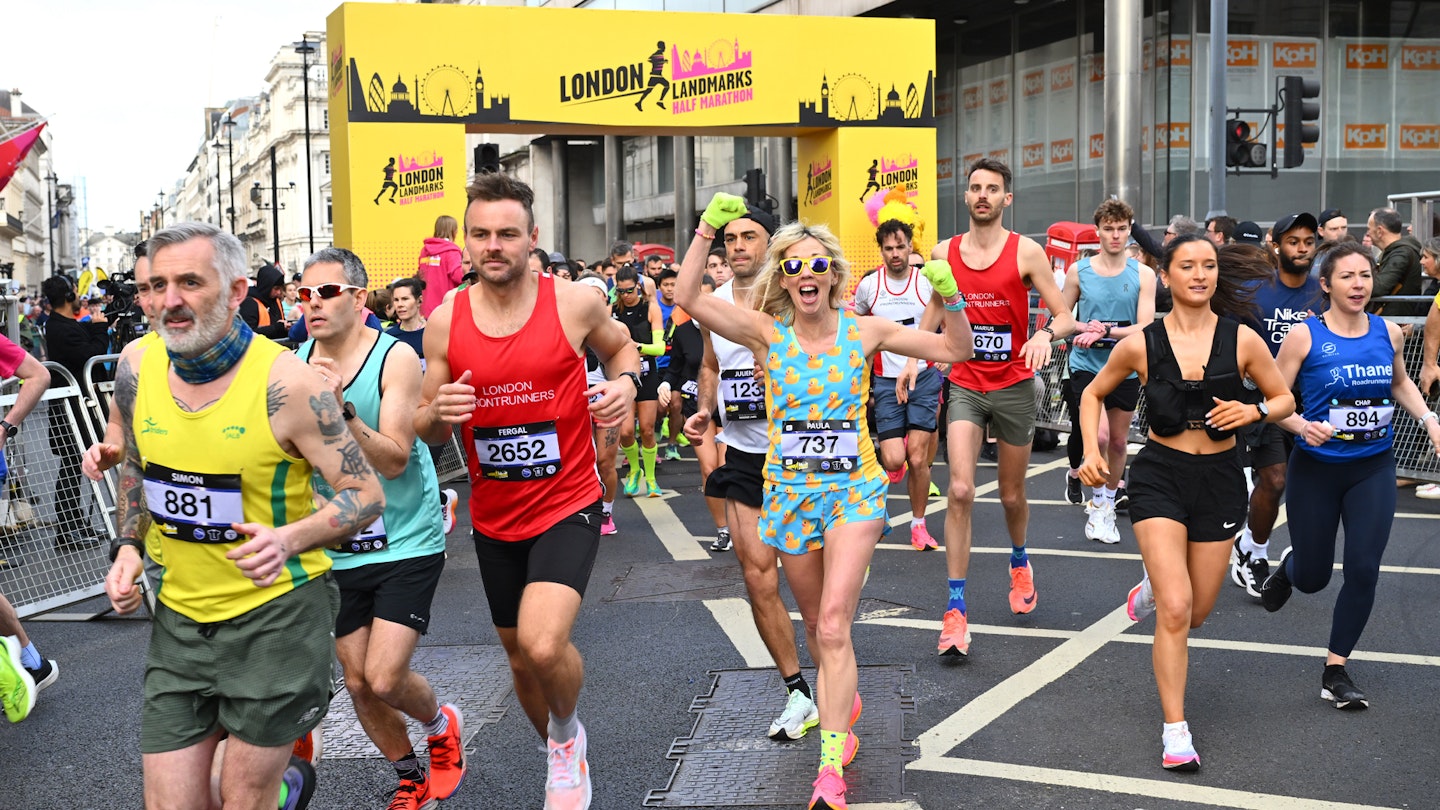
<point x="487" y="158"/>
<point x="755" y="187"/>
<point x="1301" y="108"/>
<point x="1240" y="150"/>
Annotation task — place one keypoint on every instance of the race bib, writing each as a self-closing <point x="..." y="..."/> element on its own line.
<point x="195" y="507"/>
<point x="992" y="342"/>
<point x="371" y="538"/>
<point x="831" y="445"/>
<point x="744" y="395"/>
<point x="644" y="366"/>
<point x="517" y="452"/>
<point x="690" y="390"/>
<point x="1361" y="420"/>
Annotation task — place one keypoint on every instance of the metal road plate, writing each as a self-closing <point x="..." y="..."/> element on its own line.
<point x="475" y="678"/>
<point x="728" y="760"/>
<point x="677" y="582"/>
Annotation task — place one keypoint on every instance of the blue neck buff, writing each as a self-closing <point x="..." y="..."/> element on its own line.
<point x="212" y="363"/>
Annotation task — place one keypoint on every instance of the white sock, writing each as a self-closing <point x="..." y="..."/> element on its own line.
<point x="607" y="507"/>
<point x="1180" y="726"/>
<point x="1259" y="551"/>
<point x="916" y="522"/>
<point x="1104" y="495"/>
<point x="1247" y="541"/>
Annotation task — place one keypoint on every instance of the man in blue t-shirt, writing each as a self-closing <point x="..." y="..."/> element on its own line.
<point x="1291" y="297"/>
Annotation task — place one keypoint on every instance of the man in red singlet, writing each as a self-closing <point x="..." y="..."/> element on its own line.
<point x="535" y="491"/>
<point x="995" y="270"/>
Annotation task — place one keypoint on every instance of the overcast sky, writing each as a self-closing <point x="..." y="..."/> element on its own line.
<point x="125" y="84"/>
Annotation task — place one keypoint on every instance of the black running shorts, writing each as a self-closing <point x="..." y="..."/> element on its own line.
<point x="563" y="553"/>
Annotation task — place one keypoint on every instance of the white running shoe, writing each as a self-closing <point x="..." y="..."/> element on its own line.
<point x="448" y="499"/>
<point x="568" y="785"/>
<point x="1100" y="526"/>
<point x="1141" y="602"/>
<point x="800" y="715"/>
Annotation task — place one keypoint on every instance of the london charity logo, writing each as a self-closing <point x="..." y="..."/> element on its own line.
<point x="888" y="172"/>
<point x="412" y="180"/>
<point x="703" y="78"/>
<point x="818" y="183"/>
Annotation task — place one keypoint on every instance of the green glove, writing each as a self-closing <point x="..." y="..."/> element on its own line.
<point x="723" y="209"/>
<point x="937" y="272"/>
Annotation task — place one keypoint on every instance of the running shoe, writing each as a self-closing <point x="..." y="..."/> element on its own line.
<point x="17" y="688"/>
<point x="896" y="476"/>
<point x="308" y="746"/>
<point x="672" y="453"/>
<point x="722" y="540"/>
<point x="1240" y="567"/>
<point x="632" y="483"/>
<point x="989" y="452"/>
<point x="652" y="489"/>
<point x="47" y="673"/>
<point x="412" y="795"/>
<point x="852" y="742"/>
<point x="1179" y="750"/>
<point x="800" y="715"/>
<point x="447" y="755"/>
<point x="448" y="499"/>
<point x="1141" y="602"/>
<point x="682" y="441"/>
<point x="1259" y="570"/>
<point x="920" y="538"/>
<point x="1072" y="490"/>
<point x="829" y="791"/>
<point x="1100" y="526"/>
<point x="954" y="634"/>
<point x="568" y="785"/>
<point x="1337" y="688"/>
<point x="1022" y="589"/>
<point x="607" y="526"/>
<point x="297" y="785"/>
<point x="855" y="709"/>
<point x="1429" y="492"/>
<point x="934" y="490"/>
<point x="1122" y="498"/>
<point x="1275" y="592"/>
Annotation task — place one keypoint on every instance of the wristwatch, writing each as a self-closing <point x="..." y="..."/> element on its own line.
<point x="1263" y="409"/>
<point x="635" y="378"/>
<point x="10" y="430"/>
<point x="347" y="410"/>
<point x="120" y="542"/>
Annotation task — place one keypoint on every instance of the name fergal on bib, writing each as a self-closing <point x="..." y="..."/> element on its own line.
<point x="526" y="452"/>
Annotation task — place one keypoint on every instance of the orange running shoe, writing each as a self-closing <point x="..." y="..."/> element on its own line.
<point x="308" y="746"/>
<point x="1022" y="589"/>
<point x="954" y="634"/>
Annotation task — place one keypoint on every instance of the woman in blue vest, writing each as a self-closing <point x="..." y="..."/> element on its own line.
<point x="1349" y="371"/>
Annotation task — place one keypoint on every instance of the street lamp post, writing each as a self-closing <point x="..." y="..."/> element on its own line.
<point x="160" y="210"/>
<point x="305" y="49"/>
<point x="229" y="124"/>
<point x="219" y="187"/>
<point x="52" y="180"/>
<point x="256" y="194"/>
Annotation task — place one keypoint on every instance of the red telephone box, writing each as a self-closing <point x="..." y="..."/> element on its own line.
<point x="1065" y="240"/>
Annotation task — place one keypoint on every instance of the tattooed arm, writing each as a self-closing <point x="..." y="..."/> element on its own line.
<point x="307" y="422"/>
<point x="129" y="496"/>
<point x="387" y="443"/>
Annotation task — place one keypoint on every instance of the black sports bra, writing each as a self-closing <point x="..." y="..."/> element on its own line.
<point x="1175" y="404"/>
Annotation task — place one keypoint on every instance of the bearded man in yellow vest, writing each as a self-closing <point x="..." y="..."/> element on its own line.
<point x="222" y="432"/>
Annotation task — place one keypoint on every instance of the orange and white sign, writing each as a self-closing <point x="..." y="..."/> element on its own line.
<point x="1177" y="55"/>
<point x="1062" y="77"/>
<point x="945" y="169"/>
<point x="1365" y="136"/>
<point x="1174" y="135"/>
<point x="1294" y="55"/>
<point x="1002" y="155"/>
<point x="1420" y="57"/>
<point x="1062" y="151"/>
<point x="1032" y="155"/>
<point x="972" y="98"/>
<point x="1097" y="67"/>
<point x="1414" y="137"/>
<point x="1032" y="83"/>
<point x="1367" y="56"/>
<point x="1097" y="146"/>
<point x="999" y="91"/>
<point x="1242" y="53"/>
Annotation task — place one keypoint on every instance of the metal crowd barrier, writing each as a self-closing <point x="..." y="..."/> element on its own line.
<point x="55" y="524"/>
<point x="1414" y="456"/>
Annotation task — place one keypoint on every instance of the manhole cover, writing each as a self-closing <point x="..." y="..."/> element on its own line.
<point x="475" y="678"/>
<point x="727" y="759"/>
<point x="676" y="582"/>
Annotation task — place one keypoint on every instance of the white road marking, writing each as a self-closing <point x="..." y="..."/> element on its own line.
<point x="677" y="539"/>
<point x="735" y="618"/>
<point x="938" y="504"/>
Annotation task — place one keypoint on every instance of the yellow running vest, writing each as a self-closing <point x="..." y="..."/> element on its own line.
<point x="206" y="470"/>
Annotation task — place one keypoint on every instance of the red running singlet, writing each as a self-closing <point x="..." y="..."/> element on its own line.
<point x="998" y="306"/>
<point x="528" y="443"/>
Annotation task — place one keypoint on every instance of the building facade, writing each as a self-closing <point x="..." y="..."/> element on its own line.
<point x="38" y="233"/>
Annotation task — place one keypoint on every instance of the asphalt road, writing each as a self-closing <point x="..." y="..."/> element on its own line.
<point x="1056" y="709"/>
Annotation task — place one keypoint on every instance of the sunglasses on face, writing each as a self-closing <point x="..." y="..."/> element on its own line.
<point x="324" y="291"/>
<point x="819" y="265"/>
<point x="626" y="290"/>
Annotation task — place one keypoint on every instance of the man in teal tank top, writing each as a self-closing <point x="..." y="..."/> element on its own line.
<point x="1112" y="296"/>
<point x="389" y="571"/>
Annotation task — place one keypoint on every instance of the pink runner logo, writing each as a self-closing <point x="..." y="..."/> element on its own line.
<point x="719" y="56"/>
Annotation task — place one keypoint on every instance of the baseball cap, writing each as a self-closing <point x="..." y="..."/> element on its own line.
<point x="762" y="218"/>
<point x="1248" y="233"/>
<point x="1291" y="221"/>
<point x="557" y="257"/>
<point x="1329" y="214"/>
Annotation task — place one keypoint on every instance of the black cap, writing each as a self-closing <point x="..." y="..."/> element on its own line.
<point x="557" y="257"/>
<point x="1248" y="233"/>
<point x="761" y="217"/>
<point x="1292" y="221"/>
<point x="1329" y="214"/>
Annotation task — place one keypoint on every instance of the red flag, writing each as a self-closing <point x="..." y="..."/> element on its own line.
<point x="13" y="150"/>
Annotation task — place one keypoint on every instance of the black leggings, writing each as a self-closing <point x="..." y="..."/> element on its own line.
<point x="1319" y="495"/>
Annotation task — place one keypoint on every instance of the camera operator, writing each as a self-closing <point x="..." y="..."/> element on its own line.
<point x="71" y="343"/>
<point x="127" y="321"/>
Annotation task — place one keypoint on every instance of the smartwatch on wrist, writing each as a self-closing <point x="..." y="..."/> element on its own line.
<point x="347" y="410"/>
<point x="635" y="378"/>
<point x="1263" y="409"/>
<point x="10" y="430"/>
<point x="120" y="542"/>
